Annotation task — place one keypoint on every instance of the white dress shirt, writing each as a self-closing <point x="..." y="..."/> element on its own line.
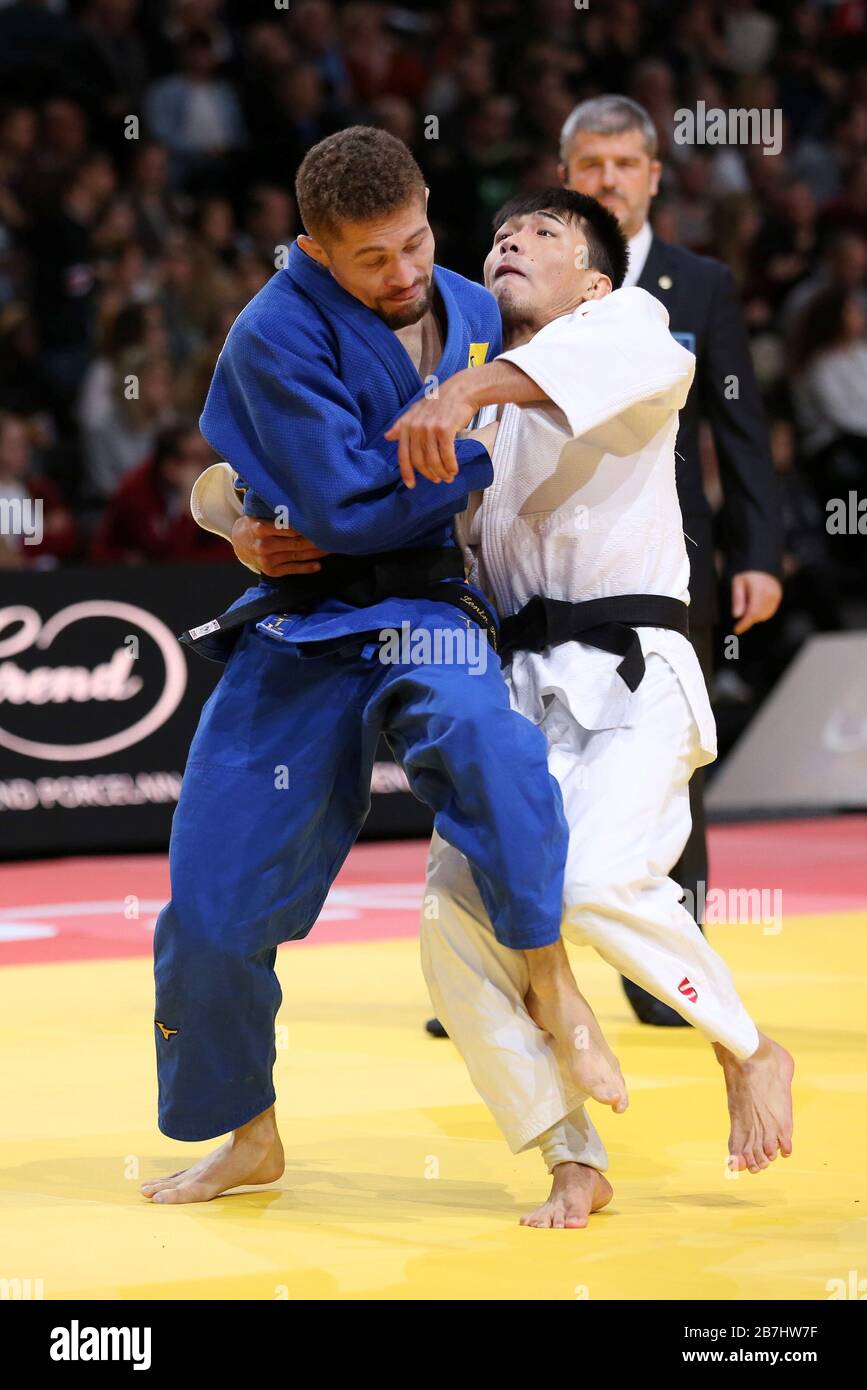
<point x="639" y="249"/>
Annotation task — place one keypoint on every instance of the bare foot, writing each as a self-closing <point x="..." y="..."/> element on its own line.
<point x="564" y="1013"/>
<point x="759" y="1094"/>
<point x="253" y="1154"/>
<point x="576" y="1191"/>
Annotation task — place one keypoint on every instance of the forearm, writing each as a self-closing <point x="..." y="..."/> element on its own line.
<point x="426" y="433"/>
<point x="496" y="383"/>
<point x="363" y="523"/>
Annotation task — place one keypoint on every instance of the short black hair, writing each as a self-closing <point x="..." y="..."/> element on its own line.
<point x="607" y="246"/>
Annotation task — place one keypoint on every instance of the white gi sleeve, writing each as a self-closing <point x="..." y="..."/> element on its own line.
<point x="215" y="503"/>
<point x="607" y="357"/>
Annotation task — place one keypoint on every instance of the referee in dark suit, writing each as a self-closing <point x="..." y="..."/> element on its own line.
<point x="608" y="149"/>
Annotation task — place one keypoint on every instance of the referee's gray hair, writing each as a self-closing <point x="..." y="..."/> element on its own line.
<point x="609" y="115"/>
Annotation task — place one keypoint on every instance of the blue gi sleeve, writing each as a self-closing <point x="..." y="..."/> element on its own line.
<point x="290" y="427"/>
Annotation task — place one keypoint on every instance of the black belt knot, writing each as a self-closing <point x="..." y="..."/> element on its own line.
<point x="606" y="623"/>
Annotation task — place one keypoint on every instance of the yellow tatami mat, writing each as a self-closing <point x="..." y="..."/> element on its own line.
<point x="398" y="1184"/>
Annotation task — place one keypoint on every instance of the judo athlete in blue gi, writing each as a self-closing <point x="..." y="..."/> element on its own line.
<point x="277" y="782"/>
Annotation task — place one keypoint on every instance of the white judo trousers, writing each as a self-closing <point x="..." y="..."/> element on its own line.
<point x="625" y="794"/>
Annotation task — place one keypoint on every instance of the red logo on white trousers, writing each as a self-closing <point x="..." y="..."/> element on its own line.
<point x="689" y="990"/>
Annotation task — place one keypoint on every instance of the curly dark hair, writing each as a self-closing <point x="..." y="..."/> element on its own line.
<point x="607" y="246"/>
<point x="353" y="176"/>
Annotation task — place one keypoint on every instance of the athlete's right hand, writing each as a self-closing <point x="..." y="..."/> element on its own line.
<point x="274" y="550"/>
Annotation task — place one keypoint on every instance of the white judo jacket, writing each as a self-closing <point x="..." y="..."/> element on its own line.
<point x="584" y="502"/>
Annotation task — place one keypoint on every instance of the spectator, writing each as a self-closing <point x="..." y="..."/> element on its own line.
<point x="829" y="360"/>
<point x="314" y="30"/>
<point x="149" y="517"/>
<point x="194" y="113"/>
<point x="195" y="376"/>
<point x="61" y="149"/>
<point x="17" y="143"/>
<point x="397" y="117"/>
<point x="378" y="65"/>
<point x="787" y="246"/>
<point x="121" y="414"/>
<point x="297" y="117"/>
<point x="843" y="264"/>
<point x="189" y="285"/>
<point x="107" y="67"/>
<point x="32" y="40"/>
<point x="268" y="55"/>
<point x="215" y="234"/>
<point x="471" y="79"/>
<point x="270" y="222"/>
<point x="179" y="19"/>
<point x="27" y="493"/>
<point x="23" y="388"/>
<point x="849" y="211"/>
<point x="813" y="600"/>
<point x="157" y="207"/>
<point x="64" y="281"/>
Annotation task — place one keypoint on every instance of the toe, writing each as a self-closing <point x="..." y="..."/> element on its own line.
<point x="170" y="1177"/>
<point x="185" y="1192"/>
<point x="153" y="1184"/>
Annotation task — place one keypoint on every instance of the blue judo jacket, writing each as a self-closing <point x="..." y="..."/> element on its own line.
<point x="306" y="385"/>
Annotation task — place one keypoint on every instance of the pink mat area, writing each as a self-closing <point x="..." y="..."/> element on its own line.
<point x="94" y="908"/>
<point x="820" y="865"/>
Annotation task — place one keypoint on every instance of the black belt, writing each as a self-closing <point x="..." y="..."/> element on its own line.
<point x="361" y="581"/>
<point x="606" y="623"/>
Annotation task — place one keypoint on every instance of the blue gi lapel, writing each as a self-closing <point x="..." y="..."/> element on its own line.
<point x="320" y="286"/>
<point x="457" y="342"/>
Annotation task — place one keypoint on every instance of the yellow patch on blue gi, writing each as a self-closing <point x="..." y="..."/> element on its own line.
<point x="478" y="353"/>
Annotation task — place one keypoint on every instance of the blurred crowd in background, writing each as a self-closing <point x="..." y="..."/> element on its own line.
<point x="147" y="162"/>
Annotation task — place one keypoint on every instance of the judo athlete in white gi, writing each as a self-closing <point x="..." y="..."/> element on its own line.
<point x="583" y="509"/>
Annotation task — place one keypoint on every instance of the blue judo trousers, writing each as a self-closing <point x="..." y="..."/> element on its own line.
<point x="277" y="783"/>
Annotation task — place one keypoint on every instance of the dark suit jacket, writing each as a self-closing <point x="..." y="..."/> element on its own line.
<point x="705" y="314"/>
